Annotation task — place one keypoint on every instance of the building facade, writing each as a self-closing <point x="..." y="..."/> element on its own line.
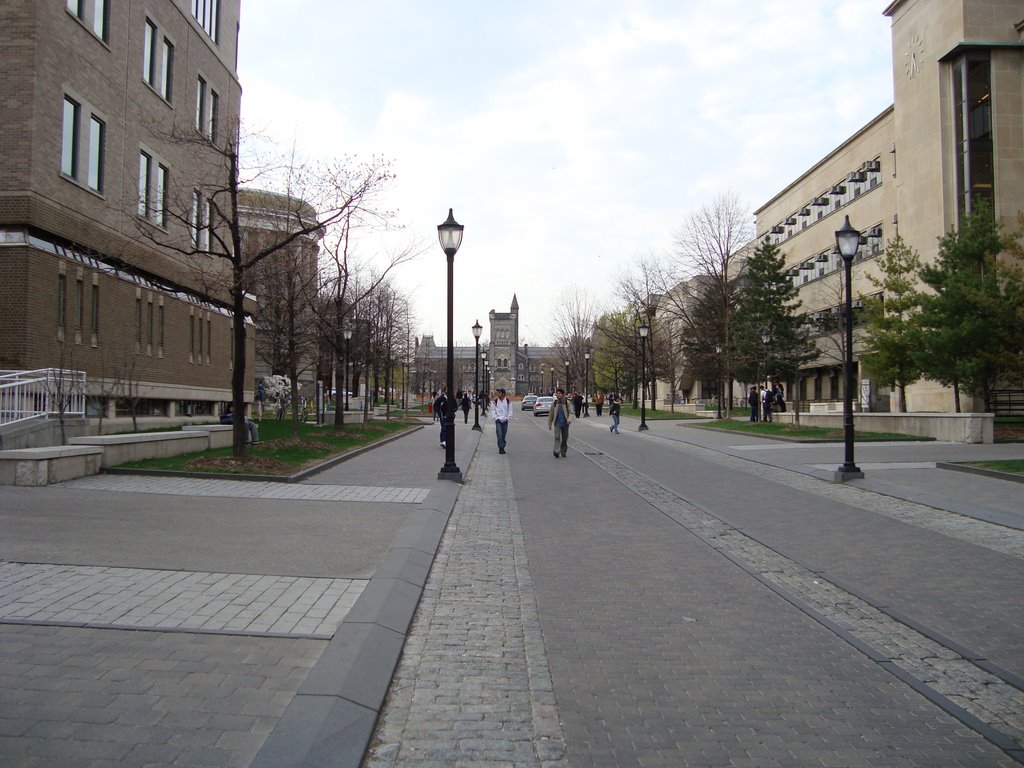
<point x="954" y="135"/>
<point x="518" y="367"/>
<point x="105" y="263"/>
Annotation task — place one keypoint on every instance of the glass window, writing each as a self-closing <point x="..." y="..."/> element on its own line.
<point x="159" y="212"/>
<point x="62" y="299"/>
<point x="69" y="145"/>
<point x="191" y="335"/>
<point x="94" y="318"/>
<point x="97" y="134"/>
<point x="149" y="54"/>
<point x="196" y="223"/>
<point x="149" y="325"/>
<point x="200" y="104"/>
<point x="212" y="115"/>
<point x="101" y="20"/>
<point x="144" y="198"/>
<point x="79" y="305"/>
<point x="207" y="13"/>
<point x="166" y="78"/>
<point x="138" y="323"/>
<point x="160" y="327"/>
<point x="972" y="105"/>
<point x="75" y="7"/>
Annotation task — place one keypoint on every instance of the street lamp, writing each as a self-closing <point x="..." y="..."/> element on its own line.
<point x="567" y="377"/>
<point x="766" y="339"/>
<point x="848" y="243"/>
<point x="449" y="233"/>
<point x="586" y="383"/>
<point x="477" y="330"/>
<point x="718" y="360"/>
<point x="644" y="330"/>
<point x="346" y="333"/>
<point x="542" y="378"/>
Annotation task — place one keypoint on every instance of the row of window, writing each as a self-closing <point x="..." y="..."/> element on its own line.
<point x="872" y="241"/>
<point x="149" y="322"/>
<point x="95" y="14"/>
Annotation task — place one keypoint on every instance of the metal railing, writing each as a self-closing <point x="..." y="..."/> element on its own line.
<point x="1008" y="402"/>
<point x="42" y="394"/>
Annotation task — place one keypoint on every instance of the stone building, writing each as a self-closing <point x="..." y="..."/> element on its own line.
<point x="104" y="214"/>
<point x="954" y="135"/>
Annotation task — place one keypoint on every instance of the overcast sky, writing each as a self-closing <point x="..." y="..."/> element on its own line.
<point x="569" y="136"/>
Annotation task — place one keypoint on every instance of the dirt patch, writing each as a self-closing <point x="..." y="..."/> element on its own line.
<point x="245" y="465"/>
<point x="1008" y="433"/>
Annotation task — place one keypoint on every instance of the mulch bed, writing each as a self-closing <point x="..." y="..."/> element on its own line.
<point x="255" y="465"/>
<point x="1009" y="433"/>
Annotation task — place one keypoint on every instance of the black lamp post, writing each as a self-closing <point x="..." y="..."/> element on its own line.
<point x="567" y="377"/>
<point x="644" y="330"/>
<point x="477" y="330"/>
<point x="346" y="333"/>
<point x="848" y="243"/>
<point x="718" y="360"/>
<point x="542" y="378"/>
<point x="586" y="383"/>
<point x="766" y="339"/>
<point x="449" y="233"/>
<point x="552" y="367"/>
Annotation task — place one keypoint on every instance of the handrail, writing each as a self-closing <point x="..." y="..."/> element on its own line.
<point x="41" y="394"/>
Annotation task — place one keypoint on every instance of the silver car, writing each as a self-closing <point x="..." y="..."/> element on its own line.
<point x="543" y="406"/>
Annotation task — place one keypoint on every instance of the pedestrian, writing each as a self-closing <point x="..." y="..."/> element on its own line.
<point x="559" y="419"/>
<point x="261" y="397"/>
<point x="501" y="411"/>
<point x="779" y="397"/>
<point x="252" y="431"/>
<point x="440" y="412"/>
<point x="599" y="401"/>
<point x="754" y="401"/>
<point x="577" y="403"/>
<point x="614" y="410"/>
<point x="766" y="403"/>
<point x="466" y="405"/>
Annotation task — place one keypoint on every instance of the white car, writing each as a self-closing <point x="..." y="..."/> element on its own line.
<point x="528" y="401"/>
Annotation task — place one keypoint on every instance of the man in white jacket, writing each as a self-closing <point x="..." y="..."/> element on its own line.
<point x="501" y="412"/>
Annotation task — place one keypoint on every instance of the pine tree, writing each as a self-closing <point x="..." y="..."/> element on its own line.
<point x="890" y="336"/>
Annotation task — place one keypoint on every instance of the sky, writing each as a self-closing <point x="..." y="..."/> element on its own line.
<point x="570" y="137"/>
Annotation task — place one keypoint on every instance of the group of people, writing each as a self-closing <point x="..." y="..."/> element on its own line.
<point x="463" y="401"/>
<point x="765" y="400"/>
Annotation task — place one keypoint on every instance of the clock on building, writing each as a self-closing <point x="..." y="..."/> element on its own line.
<point x="914" y="56"/>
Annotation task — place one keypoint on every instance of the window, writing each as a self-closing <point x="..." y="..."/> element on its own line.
<point x="145" y="161"/>
<point x="97" y="140"/>
<point x="160" y="329"/>
<point x="79" y="305"/>
<point x="62" y="300"/>
<point x="149" y="327"/>
<point x="972" y="104"/>
<point x="101" y="20"/>
<point x="200" y="103"/>
<point x="76" y="9"/>
<point x="200" y="224"/>
<point x="149" y="54"/>
<point x="69" y="144"/>
<point x="209" y="338"/>
<point x="207" y="13"/>
<point x="191" y="337"/>
<point x="167" y="58"/>
<point x="212" y="116"/>
<point x="159" y="211"/>
<point x="94" y="315"/>
<point x="138" y="324"/>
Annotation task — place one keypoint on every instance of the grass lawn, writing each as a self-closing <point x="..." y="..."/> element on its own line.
<point x="1000" y="465"/>
<point x="801" y="433"/>
<point x="662" y="414"/>
<point x="279" y="453"/>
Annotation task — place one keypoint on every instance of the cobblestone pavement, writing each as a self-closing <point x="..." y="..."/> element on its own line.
<point x="102" y="698"/>
<point x="138" y="598"/>
<point x="473" y="686"/>
<point x="242" y="489"/>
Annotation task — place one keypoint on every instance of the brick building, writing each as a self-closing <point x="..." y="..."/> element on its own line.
<point x="104" y="207"/>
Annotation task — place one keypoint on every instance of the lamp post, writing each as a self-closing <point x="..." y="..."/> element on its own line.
<point x="567" y="376"/>
<point x="542" y="378"/>
<point x="477" y="330"/>
<point x="586" y="383"/>
<point x="766" y="339"/>
<point x="346" y="334"/>
<point x="644" y="329"/>
<point x="718" y="360"/>
<point x="449" y="233"/>
<point x="848" y="243"/>
<point x="552" y="368"/>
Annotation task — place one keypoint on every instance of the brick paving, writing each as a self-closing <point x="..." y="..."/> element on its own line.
<point x="139" y="598"/>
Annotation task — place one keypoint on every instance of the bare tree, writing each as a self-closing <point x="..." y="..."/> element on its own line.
<point x="574" y="320"/>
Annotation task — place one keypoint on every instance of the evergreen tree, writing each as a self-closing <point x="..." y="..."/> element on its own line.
<point x="971" y="334"/>
<point x="890" y="338"/>
<point x="768" y="304"/>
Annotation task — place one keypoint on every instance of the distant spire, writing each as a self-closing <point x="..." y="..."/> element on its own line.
<point x="515" y="303"/>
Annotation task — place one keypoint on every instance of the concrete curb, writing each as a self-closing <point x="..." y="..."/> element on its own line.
<point x="1011" y="476"/>
<point x="331" y="720"/>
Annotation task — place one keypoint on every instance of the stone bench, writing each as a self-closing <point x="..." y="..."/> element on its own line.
<point x="43" y="466"/>
<point x="948" y="427"/>
<point x="117" y="449"/>
<point x="220" y="435"/>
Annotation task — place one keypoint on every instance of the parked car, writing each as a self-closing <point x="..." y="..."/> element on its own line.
<point x="543" y="406"/>
<point x="528" y="402"/>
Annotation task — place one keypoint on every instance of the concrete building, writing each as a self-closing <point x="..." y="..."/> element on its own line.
<point x="104" y="197"/>
<point x="954" y="135"/>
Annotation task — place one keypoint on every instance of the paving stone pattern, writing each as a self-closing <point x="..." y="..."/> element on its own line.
<point x="138" y="598"/>
<point x="989" y="698"/>
<point x="99" y="698"/>
<point x="473" y="685"/>
<point x="243" y="489"/>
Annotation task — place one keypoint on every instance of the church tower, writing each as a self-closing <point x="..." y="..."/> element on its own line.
<point x="503" y="354"/>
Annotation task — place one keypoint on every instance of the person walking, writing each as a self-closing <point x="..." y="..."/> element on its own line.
<point x="559" y="419"/>
<point x="754" y="401"/>
<point x="466" y="405"/>
<point x="501" y="412"/>
<point x="766" y="403"/>
<point x="577" y="403"/>
<point x="614" y="410"/>
<point x="599" y="401"/>
<point x="440" y="412"/>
